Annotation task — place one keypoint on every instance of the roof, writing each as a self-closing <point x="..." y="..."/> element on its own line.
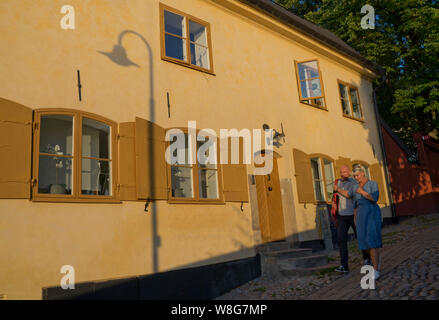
<point x="395" y="137"/>
<point x="312" y="30"/>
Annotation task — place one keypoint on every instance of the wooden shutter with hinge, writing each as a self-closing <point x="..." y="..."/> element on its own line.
<point x="15" y="150"/>
<point x="127" y="161"/>
<point x="375" y="172"/>
<point x="304" y="181"/>
<point x="151" y="169"/>
<point x="235" y="182"/>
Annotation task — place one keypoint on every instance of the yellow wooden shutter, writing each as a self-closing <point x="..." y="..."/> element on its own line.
<point x="15" y="150"/>
<point x="303" y="175"/>
<point x="127" y="161"/>
<point x="341" y="162"/>
<point x="151" y="176"/>
<point x="375" y="172"/>
<point x="235" y="184"/>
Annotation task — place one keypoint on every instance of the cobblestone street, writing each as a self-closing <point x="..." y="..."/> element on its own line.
<point x="410" y="270"/>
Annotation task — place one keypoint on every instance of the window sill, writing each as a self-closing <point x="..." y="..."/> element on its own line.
<point x="316" y="203"/>
<point x="191" y="201"/>
<point x="322" y="202"/>
<point x="353" y="118"/>
<point x="76" y="200"/>
<point x="187" y="65"/>
<point x="314" y="105"/>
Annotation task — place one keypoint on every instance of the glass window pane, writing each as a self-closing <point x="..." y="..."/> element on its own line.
<point x="197" y="33"/>
<point x="199" y="56"/>
<point x="355" y="103"/>
<point x="174" y="24"/>
<point x="343" y="91"/>
<point x="96" y="177"/>
<point x="181" y="179"/>
<point x="55" y="175"/>
<point x="319" y="102"/>
<point x="308" y="70"/>
<point x="344" y="99"/>
<point x="329" y="178"/>
<point x="96" y="139"/>
<point x="209" y="158"/>
<point x="346" y="107"/>
<point x="318" y="191"/>
<point x="181" y="156"/>
<point x="175" y="47"/>
<point x="56" y="132"/>
<point x="317" y="177"/>
<point x="311" y="88"/>
<point x="315" y="164"/>
<point x="208" y="184"/>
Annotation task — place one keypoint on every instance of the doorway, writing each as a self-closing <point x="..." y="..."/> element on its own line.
<point x="271" y="219"/>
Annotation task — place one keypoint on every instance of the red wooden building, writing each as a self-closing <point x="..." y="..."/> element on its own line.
<point x="415" y="187"/>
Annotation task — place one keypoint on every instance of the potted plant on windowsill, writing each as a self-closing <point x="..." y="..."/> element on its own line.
<point x="57" y="188"/>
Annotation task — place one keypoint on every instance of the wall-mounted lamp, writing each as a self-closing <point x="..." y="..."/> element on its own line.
<point x="277" y="136"/>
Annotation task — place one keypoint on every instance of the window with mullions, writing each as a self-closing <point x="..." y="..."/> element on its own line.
<point x="323" y="178"/>
<point x="75" y="156"/>
<point x="186" y="39"/>
<point x="95" y="158"/>
<point x="328" y="169"/>
<point x="194" y="181"/>
<point x="55" y="160"/>
<point x="309" y="82"/>
<point x="350" y="101"/>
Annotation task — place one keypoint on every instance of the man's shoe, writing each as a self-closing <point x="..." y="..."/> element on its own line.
<point x="367" y="262"/>
<point x="342" y="269"/>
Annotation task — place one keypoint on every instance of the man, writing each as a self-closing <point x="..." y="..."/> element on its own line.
<point x="345" y="188"/>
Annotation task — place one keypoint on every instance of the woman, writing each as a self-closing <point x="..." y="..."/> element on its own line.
<point x="367" y="217"/>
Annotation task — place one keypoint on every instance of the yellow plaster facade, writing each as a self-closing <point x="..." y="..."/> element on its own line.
<point x="254" y="83"/>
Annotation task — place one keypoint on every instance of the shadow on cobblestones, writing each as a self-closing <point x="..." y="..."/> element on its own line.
<point x="414" y="279"/>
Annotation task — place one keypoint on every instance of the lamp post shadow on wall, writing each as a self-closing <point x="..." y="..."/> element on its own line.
<point x="120" y="57"/>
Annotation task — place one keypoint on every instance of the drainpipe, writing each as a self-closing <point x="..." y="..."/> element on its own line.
<point x="383" y="149"/>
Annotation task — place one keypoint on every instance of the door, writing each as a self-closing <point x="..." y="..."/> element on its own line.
<point x="271" y="219"/>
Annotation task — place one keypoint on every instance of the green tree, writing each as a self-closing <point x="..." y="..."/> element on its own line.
<point x="405" y="42"/>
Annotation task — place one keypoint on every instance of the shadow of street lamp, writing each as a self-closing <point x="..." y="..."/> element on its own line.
<point x="120" y="57"/>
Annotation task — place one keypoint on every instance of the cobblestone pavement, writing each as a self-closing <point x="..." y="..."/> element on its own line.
<point x="410" y="270"/>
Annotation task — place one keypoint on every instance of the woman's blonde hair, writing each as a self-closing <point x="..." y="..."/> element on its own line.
<point x="359" y="168"/>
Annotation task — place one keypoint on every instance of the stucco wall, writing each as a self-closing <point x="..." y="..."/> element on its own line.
<point x="109" y="241"/>
<point x="254" y="83"/>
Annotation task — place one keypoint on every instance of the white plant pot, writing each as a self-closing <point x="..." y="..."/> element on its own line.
<point x="57" y="189"/>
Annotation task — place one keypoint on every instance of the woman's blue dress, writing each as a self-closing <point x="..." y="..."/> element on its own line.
<point x="368" y="218"/>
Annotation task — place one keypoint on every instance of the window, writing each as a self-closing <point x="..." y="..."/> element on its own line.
<point x="56" y="167"/>
<point x="185" y="40"/>
<point x="75" y="156"/>
<point x="194" y="180"/>
<point x="310" y="84"/>
<point x="350" y="101"/>
<point x="329" y="178"/>
<point x="317" y="178"/>
<point x="323" y="178"/>
<point x="95" y="158"/>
